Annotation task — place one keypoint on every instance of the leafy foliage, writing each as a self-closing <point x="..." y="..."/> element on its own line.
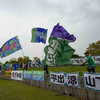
<point x="94" y="49"/>
<point x="36" y="59"/>
<point x="76" y="56"/>
<point x="20" y="60"/>
<point x="6" y="62"/>
<point x="13" y="60"/>
<point x="1" y="63"/>
<point x="26" y="59"/>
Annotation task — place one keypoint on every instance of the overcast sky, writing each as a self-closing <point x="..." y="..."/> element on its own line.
<point x="78" y="17"/>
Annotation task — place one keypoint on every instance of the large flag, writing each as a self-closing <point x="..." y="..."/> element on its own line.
<point x="58" y="52"/>
<point x="10" y="47"/>
<point x="39" y="35"/>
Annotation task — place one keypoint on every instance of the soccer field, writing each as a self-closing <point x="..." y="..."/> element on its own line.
<point x="72" y="69"/>
<point x="12" y="90"/>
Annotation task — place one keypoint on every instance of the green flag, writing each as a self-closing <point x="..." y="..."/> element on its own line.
<point x="58" y="52"/>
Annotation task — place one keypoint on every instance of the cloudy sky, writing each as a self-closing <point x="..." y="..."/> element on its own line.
<point x="78" y="17"/>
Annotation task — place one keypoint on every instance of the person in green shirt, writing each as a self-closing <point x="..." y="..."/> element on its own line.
<point x="91" y="63"/>
<point x="5" y="66"/>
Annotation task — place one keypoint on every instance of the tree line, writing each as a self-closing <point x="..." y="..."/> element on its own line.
<point x="93" y="50"/>
<point x="20" y="60"/>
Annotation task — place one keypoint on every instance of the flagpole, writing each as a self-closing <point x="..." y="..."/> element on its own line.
<point x="43" y="51"/>
<point x="43" y="54"/>
<point x="23" y="53"/>
<point x="22" y="50"/>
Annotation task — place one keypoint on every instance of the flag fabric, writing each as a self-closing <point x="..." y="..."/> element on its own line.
<point x="58" y="52"/>
<point x="39" y="35"/>
<point x="10" y="47"/>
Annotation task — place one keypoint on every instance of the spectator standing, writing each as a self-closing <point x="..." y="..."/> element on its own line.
<point x="15" y="66"/>
<point x="39" y="63"/>
<point x="29" y="64"/>
<point x="33" y="63"/>
<point x="21" y="65"/>
<point x="46" y="69"/>
<point x="0" y="67"/>
<point x="26" y="66"/>
<point x="5" y="67"/>
<point x="8" y="67"/>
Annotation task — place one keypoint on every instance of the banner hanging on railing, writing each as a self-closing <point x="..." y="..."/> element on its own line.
<point x="17" y="75"/>
<point x="27" y="74"/>
<point x="67" y="79"/>
<point x="57" y="78"/>
<point x="38" y="75"/>
<point x="92" y="81"/>
<point x="97" y="59"/>
<point x="72" y="79"/>
<point x="8" y="73"/>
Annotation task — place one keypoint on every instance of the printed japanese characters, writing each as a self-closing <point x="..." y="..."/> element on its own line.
<point x="57" y="78"/>
<point x="65" y="79"/>
<point x="92" y="81"/>
<point x="17" y="75"/>
<point x="72" y="79"/>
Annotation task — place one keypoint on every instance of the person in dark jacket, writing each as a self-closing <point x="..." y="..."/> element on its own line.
<point x="21" y="65"/>
<point x="46" y="69"/>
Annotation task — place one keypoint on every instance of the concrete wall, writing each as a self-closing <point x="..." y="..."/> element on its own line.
<point x="77" y="92"/>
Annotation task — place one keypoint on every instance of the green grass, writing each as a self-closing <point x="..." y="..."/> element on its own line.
<point x="72" y="69"/>
<point x="12" y="90"/>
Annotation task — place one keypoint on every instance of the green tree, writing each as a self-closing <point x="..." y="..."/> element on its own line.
<point x="75" y="56"/>
<point x="94" y="48"/>
<point x="36" y="59"/>
<point x="6" y="62"/>
<point x="26" y="59"/>
<point x="1" y="63"/>
<point x="20" y="60"/>
<point x="13" y="61"/>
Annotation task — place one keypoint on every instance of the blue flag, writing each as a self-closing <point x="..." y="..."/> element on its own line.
<point x="39" y="35"/>
<point x="10" y="47"/>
